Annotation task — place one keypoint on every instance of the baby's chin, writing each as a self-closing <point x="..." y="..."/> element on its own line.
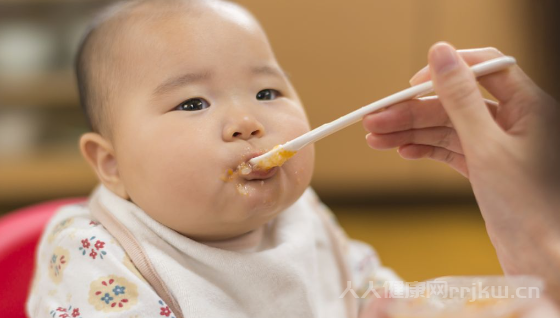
<point x="243" y="206"/>
<point x="263" y="199"/>
<point x="260" y="196"/>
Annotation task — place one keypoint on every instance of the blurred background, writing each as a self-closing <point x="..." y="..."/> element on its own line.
<point x="421" y="216"/>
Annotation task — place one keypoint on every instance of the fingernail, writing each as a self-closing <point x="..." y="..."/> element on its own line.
<point x="413" y="79"/>
<point x="443" y="58"/>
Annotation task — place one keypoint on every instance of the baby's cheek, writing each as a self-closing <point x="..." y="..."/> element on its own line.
<point x="188" y="173"/>
<point x="185" y="193"/>
<point x="181" y="170"/>
<point x="300" y="167"/>
<point x="302" y="163"/>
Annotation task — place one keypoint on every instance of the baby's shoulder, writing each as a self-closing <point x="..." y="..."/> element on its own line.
<point x="82" y="269"/>
<point x="74" y="236"/>
<point x="74" y="221"/>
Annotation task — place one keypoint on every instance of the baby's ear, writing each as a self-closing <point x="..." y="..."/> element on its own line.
<point x="99" y="153"/>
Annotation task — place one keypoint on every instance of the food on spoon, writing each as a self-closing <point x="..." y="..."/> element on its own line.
<point x="276" y="160"/>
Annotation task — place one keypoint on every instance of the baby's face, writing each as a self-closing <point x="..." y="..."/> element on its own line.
<point x="206" y="94"/>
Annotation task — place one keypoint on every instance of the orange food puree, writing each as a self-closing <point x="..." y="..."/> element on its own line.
<point x="229" y="175"/>
<point x="276" y="160"/>
<point x="242" y="189"/>
<point x="243" y="168"/>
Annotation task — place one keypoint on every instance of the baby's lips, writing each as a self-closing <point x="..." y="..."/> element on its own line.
<point x="245" y="167"/>
<point x="245" y="170"/>
<point x="252" y="155"/>
<point x="260" y="174"/>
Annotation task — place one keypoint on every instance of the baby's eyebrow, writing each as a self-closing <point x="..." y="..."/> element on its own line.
<point x="191" y="78"/>
<point x="269" y="70"/>
<point x="182" y="80"/>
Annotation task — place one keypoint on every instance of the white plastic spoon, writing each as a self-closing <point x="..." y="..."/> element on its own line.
<point x="281" y="153"/>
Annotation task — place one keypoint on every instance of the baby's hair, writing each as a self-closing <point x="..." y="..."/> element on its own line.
<point x="95" y="44"/>
<point x="98" y="63"/>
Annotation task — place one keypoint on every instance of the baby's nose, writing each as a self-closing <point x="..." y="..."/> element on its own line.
<point x="245" y="128"/>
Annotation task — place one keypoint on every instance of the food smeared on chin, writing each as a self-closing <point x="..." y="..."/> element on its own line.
<point x="230" y="175"/>
<point x="242" y="169"/>
<point x="242" y="189"/>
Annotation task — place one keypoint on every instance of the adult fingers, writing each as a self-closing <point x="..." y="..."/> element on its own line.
<point x="453" y="159"/>
<point x="443" y="137"/>
<point x="471" y="56"/>
<point x="458" y="92"/>
<point x="503" y="85"/>
<point x="412" y="114"/>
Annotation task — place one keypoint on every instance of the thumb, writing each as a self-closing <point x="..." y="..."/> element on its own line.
<point x="456" y="86"/>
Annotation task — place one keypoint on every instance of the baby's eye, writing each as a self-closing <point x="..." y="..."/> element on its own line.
<point x="268" y="94"/>
<point x="193" y="104"/>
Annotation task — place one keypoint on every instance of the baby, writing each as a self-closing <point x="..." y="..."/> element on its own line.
<point x="179" y="93"/>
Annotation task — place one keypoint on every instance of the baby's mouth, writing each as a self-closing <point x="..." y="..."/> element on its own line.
<point x="260" y="174"/>
<point x="250" y="173"/>
<point x="247" y="171"/>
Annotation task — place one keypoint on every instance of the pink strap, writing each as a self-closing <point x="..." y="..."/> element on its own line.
<point x="139" y="257"/>
<point x="136" y="253"/>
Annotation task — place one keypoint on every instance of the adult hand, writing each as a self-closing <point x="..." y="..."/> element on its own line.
<point x="508" y="149"/>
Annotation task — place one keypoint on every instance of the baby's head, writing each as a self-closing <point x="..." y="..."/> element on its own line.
<point x="178" y="92"/>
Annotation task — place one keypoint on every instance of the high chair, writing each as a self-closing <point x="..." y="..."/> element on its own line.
<point x="20" y="231"/>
